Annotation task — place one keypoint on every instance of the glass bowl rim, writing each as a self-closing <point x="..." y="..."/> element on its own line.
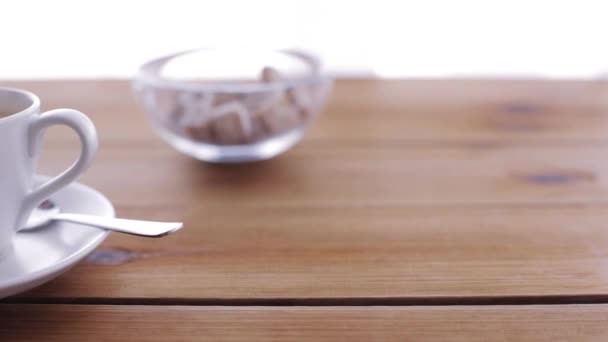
<point x="148" y="75"/>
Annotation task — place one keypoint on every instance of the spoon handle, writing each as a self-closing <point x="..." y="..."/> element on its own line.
<point x="133" y="227"/>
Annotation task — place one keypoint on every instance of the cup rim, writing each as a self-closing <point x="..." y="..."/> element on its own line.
<point x="34" y="103"/>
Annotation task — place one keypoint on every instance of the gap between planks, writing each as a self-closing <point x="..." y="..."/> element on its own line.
<point x="321" y="302"/>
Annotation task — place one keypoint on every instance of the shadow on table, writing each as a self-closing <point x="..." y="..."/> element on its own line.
<point x="241" y="175"/>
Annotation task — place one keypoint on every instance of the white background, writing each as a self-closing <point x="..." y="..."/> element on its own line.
<point x="110" y="38"/>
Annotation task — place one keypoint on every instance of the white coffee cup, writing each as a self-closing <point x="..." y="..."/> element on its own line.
<point x="21" y="130"/>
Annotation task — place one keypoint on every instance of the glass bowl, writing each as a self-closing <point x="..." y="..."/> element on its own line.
<point x="232" y="106"/>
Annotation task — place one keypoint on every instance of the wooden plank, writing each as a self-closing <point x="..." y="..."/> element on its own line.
<point x="322" y="176"/>
<point x="385" y="112"/>
<point x="455" y="323"/>
<point x="405" y="254"/>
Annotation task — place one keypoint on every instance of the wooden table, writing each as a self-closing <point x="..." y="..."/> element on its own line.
<point x="413" y="210"/>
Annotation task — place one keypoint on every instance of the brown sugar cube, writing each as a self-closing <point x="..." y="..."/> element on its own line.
<point x="228" y="130"/>
<point x="201" y="133"/>
<point x="165" y="102"/>
<point x="162" y="104"/>
<point x="262" y="101"/>
<point x="223" y="98"/>
<point x="297" y="96"/>
<point x="159" y="102"/>
<point x="269" y="75"/>
<point x="280" y="119"/>
<point x="259" y="131"/>
<point x="301" y="99"/>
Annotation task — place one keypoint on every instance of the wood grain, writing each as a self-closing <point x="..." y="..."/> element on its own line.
<point x="313" y="176"/>
<point x="403" y="254"/>
<point x="455" y="323"/>
<point x="404" y="190"/>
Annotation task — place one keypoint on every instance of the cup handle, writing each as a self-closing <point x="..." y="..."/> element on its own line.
<point x="88" y="138"/>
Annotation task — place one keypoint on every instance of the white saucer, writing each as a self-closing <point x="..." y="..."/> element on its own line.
<point x="41" y="255"/>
